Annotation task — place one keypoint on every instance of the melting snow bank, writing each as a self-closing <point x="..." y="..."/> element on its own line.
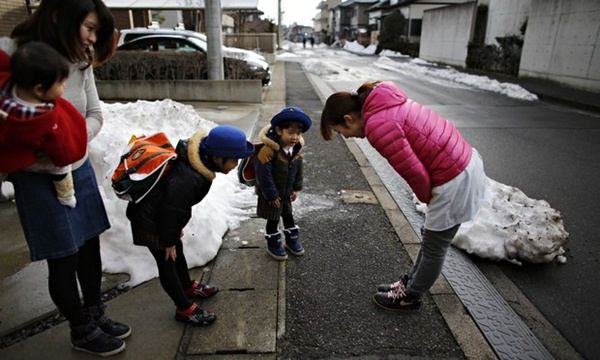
<point x="418" y="67"/>
<point x="510" y="226"/>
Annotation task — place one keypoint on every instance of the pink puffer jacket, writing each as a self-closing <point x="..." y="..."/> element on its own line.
<point x="423" y="147"/>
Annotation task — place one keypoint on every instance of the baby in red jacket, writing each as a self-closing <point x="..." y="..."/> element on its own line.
<point x="39" y="131"/>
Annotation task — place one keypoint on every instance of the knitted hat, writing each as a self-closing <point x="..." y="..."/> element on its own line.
<point x="228" y="142"/>
<point x="294" y="114"/>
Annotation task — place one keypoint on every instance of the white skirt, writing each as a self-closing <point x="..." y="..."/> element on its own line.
<point x="458" y="200"/>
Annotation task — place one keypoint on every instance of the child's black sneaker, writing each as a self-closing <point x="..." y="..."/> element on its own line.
<point x="397" y="300"/>
<point x="388" y="287"/>
<point x="201" y="290"/>
<point x="89" y="338"/>
<point x="195" y="316"/>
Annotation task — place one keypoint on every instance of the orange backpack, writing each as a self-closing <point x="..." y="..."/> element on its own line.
<point x="143" y="163"/>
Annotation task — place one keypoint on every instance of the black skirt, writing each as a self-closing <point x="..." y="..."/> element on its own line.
<point x="265" y="211"/>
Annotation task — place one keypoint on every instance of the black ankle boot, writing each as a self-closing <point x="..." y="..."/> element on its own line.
<point x="89" y="338"/>
<point x="110" y="327"/>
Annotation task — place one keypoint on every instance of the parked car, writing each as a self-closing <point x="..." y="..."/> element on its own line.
<point x="181" y="43"/>
<point x="127" y="35"/>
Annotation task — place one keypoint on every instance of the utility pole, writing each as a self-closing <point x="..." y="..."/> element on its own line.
<point x="279" y="30"/>
<point x="214" y="37"/>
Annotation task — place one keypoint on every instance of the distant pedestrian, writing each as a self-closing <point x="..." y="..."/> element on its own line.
<point x="279" y="176"/>
<point x="37" y="120"/>
<point x="441" y="167"/>
<point x="312" y="41"/>
<point x="158" y="220"/>
<point x="304" y="41"/>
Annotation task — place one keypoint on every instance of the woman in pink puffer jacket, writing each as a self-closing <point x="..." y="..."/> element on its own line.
<point x="440" y="166"/>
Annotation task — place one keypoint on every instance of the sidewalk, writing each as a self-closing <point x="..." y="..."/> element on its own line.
<point x="245" y="275"/>
<point x="251" y="305"/>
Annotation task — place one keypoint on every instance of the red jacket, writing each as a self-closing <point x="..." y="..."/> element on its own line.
<point x="61" y="133"/>
<point x="423" y="147"/>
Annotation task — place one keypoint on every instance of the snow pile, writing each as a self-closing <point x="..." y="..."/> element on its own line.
<point x="511" y="226"/>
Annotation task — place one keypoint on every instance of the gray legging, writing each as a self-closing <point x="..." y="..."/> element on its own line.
<point x="427" y="268"/>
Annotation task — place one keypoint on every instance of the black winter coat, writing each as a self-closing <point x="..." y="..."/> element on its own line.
<point x="158" y="220"/>
<point x="280" y="176"/>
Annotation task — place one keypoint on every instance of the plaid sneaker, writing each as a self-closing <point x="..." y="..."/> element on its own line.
<point x="201" y="290"/>
<point x="397" y="300"/>
<point x="195" y="316"/>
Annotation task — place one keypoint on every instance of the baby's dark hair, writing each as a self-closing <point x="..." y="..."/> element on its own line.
<point x="342" y="103"/>
<point x="296" y="125"/>
<point x="36" y="63"/>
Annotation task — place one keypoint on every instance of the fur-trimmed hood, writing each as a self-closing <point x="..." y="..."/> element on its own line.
<point x="268" y="136"/>
<point x="193" y="155"/>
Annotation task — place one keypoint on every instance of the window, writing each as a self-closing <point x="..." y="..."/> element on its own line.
<point x="415" y="27"/>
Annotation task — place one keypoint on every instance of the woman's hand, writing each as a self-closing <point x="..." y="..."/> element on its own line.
<point x="276" y="203"/>
<point x="170" y="252"/>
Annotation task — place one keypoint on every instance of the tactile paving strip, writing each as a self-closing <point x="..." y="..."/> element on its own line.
<point x="506" y="333"/>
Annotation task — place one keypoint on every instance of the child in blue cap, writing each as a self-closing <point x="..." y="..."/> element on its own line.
<point x="158" y="220"/>
<point x="279" y="168"/>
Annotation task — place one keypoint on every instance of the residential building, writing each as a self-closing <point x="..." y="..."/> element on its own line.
<point x="351" y="20"/>
<point x="411" y="10"/>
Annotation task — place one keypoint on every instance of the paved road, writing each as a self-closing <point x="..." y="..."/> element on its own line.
<point x="548" y="151"/>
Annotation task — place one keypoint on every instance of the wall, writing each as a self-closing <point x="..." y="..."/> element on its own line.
<point x="446" y="32"/>
<point x="12" y="12"/>
<point x="263" y="42"/>
<point x="505" y="17"/>
<point x="562" y="43"/>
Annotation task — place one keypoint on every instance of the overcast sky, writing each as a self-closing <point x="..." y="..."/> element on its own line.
<point x="294" y="11"/>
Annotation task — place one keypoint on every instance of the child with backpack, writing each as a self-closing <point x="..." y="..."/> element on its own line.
<point x="279" y="176"/>
<point x="157" y="221"/>
<point x="38" y="124"/>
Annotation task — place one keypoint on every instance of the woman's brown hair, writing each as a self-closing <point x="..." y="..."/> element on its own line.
<point x="342" y="103"/>
<point x="58" y="23"/>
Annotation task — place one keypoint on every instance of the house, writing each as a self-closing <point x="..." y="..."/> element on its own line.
<point x="323" y="21"/>
<point x="412" y="12"/>
<point x="139" y="13"/>
<point x="351" y="20"/>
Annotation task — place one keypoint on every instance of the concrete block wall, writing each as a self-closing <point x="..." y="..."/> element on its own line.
<point x="562" y="43"/>
<point x="506" y="17"/>
<point x="447" y="32"/>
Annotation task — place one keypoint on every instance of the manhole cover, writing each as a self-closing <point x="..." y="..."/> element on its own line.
<point x="358" y="196"/>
